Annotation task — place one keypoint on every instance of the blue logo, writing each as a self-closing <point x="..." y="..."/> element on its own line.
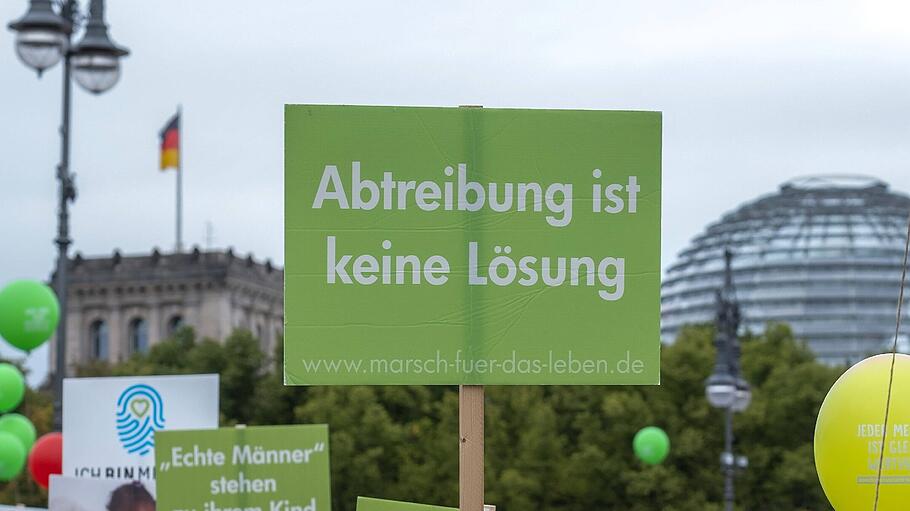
<point x="140" y="412"/>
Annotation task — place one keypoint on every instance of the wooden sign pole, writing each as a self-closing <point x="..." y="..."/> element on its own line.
<point x="470" y="459"/>
<point x="470" y="432"/>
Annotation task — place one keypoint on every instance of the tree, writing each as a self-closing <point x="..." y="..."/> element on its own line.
<point x="548" y="448"/>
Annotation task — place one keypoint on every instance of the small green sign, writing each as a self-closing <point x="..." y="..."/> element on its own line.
<point x="471" y="246"/>
<point x="267" y="468"/>
<point x="368" y="504"/>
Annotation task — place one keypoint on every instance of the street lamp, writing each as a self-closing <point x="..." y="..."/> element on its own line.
<point x="721" y="390"/>
<point x="96" y="59"/>
<point x="725" y="389"/>
<point x="43" y="38"/>
<point x="743" y="396"/>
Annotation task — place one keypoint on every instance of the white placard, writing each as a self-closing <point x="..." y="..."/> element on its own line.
<point x="109" y="423"/>
<point x="80" y="494"/>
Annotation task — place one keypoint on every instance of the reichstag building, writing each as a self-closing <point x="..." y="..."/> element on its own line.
<point x="822" y="254"/>
<point x="119" y="305"/>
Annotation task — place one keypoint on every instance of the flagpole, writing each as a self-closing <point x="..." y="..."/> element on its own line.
<point x="179" y="247"/>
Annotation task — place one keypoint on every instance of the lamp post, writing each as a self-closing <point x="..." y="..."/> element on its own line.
<point x="725" y="389"/>
<point x="44" y="36"/>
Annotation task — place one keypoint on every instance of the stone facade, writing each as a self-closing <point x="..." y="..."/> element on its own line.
<point x="119" y="305"/>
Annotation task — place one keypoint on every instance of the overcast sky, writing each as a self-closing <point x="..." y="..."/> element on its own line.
<point x="753" y="93"/>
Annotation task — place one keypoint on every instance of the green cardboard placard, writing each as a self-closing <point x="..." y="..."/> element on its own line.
<point x="471" y="246"/>
<point x="269" y="468"/>
<point x="369" y="504"/>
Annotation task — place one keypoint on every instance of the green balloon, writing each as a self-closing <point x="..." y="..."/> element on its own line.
<point x="20" y="427"/>
<point x="12" y="456"/>
<point x="29" y="313"/>
<point x="651" y="445"/>
<point x="12" y="387"/>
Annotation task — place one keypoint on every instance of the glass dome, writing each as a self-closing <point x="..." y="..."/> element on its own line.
<point x="823" y="255"/>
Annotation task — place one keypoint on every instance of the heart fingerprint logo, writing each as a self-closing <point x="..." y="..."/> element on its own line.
<point x="140" y="412"/>
<point x="139" y="407"/>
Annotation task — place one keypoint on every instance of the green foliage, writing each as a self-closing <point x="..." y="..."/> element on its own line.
<point x="547" y="448"/>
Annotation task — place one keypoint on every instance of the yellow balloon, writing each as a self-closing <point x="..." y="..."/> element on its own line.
<point x="848" y="437"/>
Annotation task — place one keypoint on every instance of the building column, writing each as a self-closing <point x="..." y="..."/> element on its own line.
<point x="154" y="322"/>
<point x="116" y="345"/>
<point x="226" y="317"/>
<point x="76" y="339"/>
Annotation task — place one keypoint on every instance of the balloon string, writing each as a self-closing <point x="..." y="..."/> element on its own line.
<point x="897" y="329"/>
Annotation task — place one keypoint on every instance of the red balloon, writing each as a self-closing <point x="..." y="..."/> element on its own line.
<point x="46" y="458"/>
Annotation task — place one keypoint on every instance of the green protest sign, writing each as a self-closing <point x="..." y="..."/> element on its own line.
<point x="368" y="504"/>
<point x="267" y="468"/>
<point x="471" y="246"/>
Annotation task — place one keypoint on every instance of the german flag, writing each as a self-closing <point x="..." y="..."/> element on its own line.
<point x="170" y="144"/>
